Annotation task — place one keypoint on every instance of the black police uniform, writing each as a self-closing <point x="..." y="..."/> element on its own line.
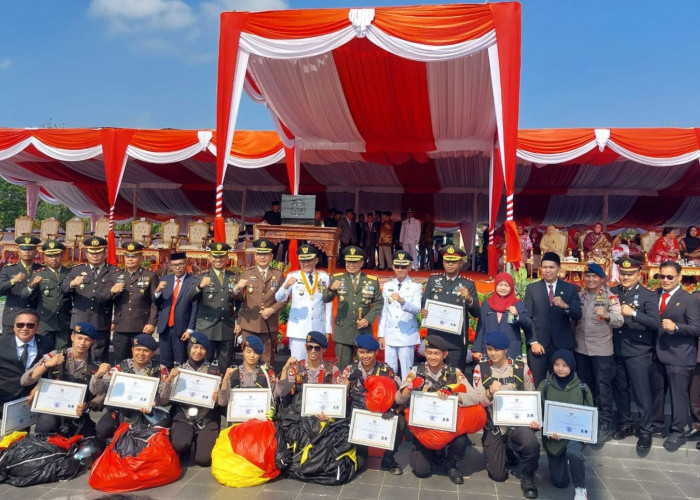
<point x="18" y="295"/>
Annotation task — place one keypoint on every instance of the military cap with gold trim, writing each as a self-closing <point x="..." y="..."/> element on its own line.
<point x="263" y="245"/>
<point x="27" y="242"/>
<point x="307" y="252"/>
<point x="132" y="247"/>
<point x="628" y="264"/>
<point x="452" y="253"/>
<point x="53" y="247"/>
<point x="353" y="254"/>
<point x="219" y="248"/>
<point x="402" y="258"/>
<point x="95" y="244"/>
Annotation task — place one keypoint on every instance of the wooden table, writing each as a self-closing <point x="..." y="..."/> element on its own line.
<point x="573" y="267"/>
<point x="325" y="239"/>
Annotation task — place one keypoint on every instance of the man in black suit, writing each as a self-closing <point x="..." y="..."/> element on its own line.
<point x="552" y="304"/>
<point x="348" y="233"/>
<point x="677" y="346"/>
<point x="175" y="324"/>
<point x="274" y="217"/>
<point x="18" y="353"/>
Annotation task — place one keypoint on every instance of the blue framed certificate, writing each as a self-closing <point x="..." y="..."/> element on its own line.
<point x="575" y="422"/>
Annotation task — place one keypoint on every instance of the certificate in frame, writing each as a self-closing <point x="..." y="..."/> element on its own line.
<point x="433" y="412"/>
<point x="370" y="429"/>
<point x="575" y="422"/>
<point x="517" y="408"/>
<point x="247" y="403"/>
<point x="329" y="399"/>
<point x="127" y="390"/>
<point x="445" y="317"/>
<point x="17" y="415"/>
<point x="58" y="397"/>
<point x="195" y="388"/>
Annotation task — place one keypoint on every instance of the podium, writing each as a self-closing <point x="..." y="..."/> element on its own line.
<point x="325" y="239"/>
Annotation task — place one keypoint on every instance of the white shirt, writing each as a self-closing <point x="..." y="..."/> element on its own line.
<point x="398" y="324"/>
<point x="32" y="351"/>
<point x="307" y="312"/>
<point x="410" y="231"/>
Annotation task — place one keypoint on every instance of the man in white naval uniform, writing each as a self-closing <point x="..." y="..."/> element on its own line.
<point x="398" y="326"/>
<point x="308" y="312"/>
<point x="409" y="237"/>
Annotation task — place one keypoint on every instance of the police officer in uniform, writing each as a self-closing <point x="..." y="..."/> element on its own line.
<point x="53" y="305"/>
<point x="359" y="303"/>
<point x="308" y="311"/>
<point x="633" y="349"/>
<point x="452" y="288"/>
<point x="14" y="279"/>
<point x="215" y="311"/>
<point x="90" y="286"/>
<point x="135" y="309"/>
<point x="257" y="286"/>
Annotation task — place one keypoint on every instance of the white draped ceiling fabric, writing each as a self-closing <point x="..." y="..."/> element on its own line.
<point x="400" y="87"/>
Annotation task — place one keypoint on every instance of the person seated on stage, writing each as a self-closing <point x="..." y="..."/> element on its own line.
<point x="552" y="242"/>
<point x="73" y="364"/>
<point x="435" y="376"/>
<point x="141" y="363"/>
<point x="251" y="373"/>
<point x="354" y="376"/>
<point x="501" y="373"/>
<point x="196" y="424"/>
<point x="665" y="248"/>
<point x="690" y="245"/>
<point x="562" y="385"/>
<point x="597" y="246"/>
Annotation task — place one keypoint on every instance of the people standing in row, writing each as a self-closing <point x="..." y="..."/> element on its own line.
<point x="410" y="236"/>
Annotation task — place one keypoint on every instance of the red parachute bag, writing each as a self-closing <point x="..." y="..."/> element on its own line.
<point x="381" y="392"/>
<point x="137" y="458"/>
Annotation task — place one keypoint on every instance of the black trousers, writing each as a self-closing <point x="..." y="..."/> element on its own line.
<point x="58" y="339"/>
<point x="598" y="372"/>
<point x="521" y="439"/>
<point x="170" y="348"/>
<point x="100" y="349"/>
<point x="51" y="424"/>
<point x="659" y="387"/>
<point x="184" y="433"/>
<point x="695" y="397"/>
<point x="457" y="357"/>
<point x="122" y="342"/>
<point x="540" y="364"/>
<point x="679" y="382"/>
<point x="572" y="459"/>
<point x="363" y="451"/>
<point x="222" y="352"/>
<point x="422" y="458"/>
<point x="635" y="373"/>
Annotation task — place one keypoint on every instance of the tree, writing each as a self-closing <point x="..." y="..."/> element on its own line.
<point x="12" y="203"/>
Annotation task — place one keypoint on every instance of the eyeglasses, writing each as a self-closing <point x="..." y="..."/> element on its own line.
<point x="667" y="276"/>
<point x="316" y="348"/>
<point x="29" y="326"/>
<point x="400" y="267"/>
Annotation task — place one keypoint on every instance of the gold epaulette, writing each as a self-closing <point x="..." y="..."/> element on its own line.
<point x="338" y="274"/>
<point x="371" y="276"/>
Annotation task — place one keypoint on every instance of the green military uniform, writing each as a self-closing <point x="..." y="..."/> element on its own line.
<point x="19" y="295"/>
<point x="53" y="305"/>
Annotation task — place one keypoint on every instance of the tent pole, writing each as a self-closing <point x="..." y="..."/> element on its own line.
<point x="136" y="197"/>
<point x="605" y="212"/>
<point x="243" y="206"/>
<point x="475" y="227"/>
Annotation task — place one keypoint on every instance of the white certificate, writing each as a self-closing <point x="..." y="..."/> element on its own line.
<point x="17" y="415"/>
<point x="444" y="317"/>
<point x="244" y="404"/>
<point x="517" y="408"/>
<point x="58" y="397"/>
<point x="432" y="412"/>
<point x="127" y="390"/>
<point x="329" y="399"/>
<point x="370" y="429"/>
<point x="575" y="422"/>
<point x="195" y="388"/>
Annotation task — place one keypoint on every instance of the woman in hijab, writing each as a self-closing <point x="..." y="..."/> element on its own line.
<point x="502" y="311"/>
<point x="690" y="245"/>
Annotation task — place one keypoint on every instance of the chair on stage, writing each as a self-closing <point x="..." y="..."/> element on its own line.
<point x="102" y="228"/>
<point x="141" y="232"/>
<point x="647" y="242"/>
<point x="24" y="226"/>
<point x="197" y="236"/>
<point x="171" y="235"/>
<point x="75" y="232"/>
<point x="49" y="229"/>
<point x="232" y="229"/>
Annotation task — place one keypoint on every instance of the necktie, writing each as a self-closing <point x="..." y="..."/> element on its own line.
<point x="311" y="280"/>
<point x="94" y="272"/>
<point x="354" y="282"/>
<point x="264" y="273"/>
<point x="171" y="316"/>
<point x="24" y="356"/>
<point x="664" y="298"/>
<point x="551" y="294"/>
<point x="400" y="286"/>
<point x="220" y="275"/>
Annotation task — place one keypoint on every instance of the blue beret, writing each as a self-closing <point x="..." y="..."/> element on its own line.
<point x="145" y="341"/>
<point x="596" y="269"/>
<point x="201" y="339"/>
<point x="367" y="341"/>
<point x="84" y="328"/>
<point x="254" y="343"/>
<point x="317" y="338"/>
<point x="497" y="339"/>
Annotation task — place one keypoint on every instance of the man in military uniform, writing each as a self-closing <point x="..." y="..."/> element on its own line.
<point x="308" y="311"/>
<point x="215" y="310"/>
<point x="259" y="314"/>
<point x="633" y="349"/>
<point x="53" y="305"/>
<point x="14" y="279"/>
<point x="451" y="288"/>
<point x="359" y="303"/>
<point x="135" y="309"/>
<point x="90" y="286"/>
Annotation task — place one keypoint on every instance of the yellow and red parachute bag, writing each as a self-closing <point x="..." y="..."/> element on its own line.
<point x="137" y="458"/>
<point x="244" y="454"/>
<point x="381" y="392"/>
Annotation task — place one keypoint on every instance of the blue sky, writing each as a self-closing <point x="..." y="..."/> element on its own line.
<point x="152" y="63"/>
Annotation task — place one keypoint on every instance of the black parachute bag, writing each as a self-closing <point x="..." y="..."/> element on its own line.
<point x="131" y="443"/>
<point x="35" y="460"/>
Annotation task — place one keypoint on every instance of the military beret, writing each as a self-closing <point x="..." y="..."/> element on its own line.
<point x="435" y="342"/>
<point x="452" y="253"/>
<point x="306" y="252"/>
<point x="353" y="254"/>
<point x="596" y="269"/>
<point x="263" y="245"/>
<point x="27" y="242"/>
<point x="84" y="328"/>
<point x="53" y="247"/>
<point x="386" y="212"/>
<point x="409" y="211"/>
<point x="402" y="258"/>
<point x="178" y="256"/>
<point x="219" y="249"/>
<point x="367" y="341"/>
<point x="628" y="264"/>
<point x="146" y="341"/>
<point x="201" y="339"/>
<point x="95" y="244"/>
<point x="317" y="338"/>
<point x="496" y="339"/>
<point x="254" y="343"/>
<point x="552" y="257"/>
<point x="132" y="247"/>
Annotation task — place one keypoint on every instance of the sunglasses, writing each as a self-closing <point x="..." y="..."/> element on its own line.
<point x="400" y="267"/>
<point x="25" y="325"/>
<point x="316" y="348"/>
<point x="667" y="276"/>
